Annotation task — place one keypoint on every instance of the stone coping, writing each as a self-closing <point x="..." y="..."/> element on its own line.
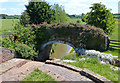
<point x="63" y="65"/>
<point x="90" y="74"/>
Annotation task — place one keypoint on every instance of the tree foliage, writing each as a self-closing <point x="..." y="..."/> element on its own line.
<point x="100" y="16"/>
<point x="25" y="19"/>
<point x="40" y="12"/>
<point x="60" y="15"/>
<point x="4" y="16"/>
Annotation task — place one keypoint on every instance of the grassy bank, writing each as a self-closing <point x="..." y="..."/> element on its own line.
<point x="114" y="36"/>
<point x="95" y="66"/>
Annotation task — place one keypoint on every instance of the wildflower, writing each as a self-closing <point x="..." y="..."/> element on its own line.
<point x="21" y="43"/>
<point x="15" y="41"/>
<point x="11" y="38"/>
<point x="18" y="39"/>
<point x="27" y="43"/>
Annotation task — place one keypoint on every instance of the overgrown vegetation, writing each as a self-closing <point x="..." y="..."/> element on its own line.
<point x="26" y="52"/>
<point x="36" y="35"/>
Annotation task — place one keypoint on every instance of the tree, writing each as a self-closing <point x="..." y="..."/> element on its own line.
<point x="25" y="19"/>
<point x="40" y="12"/>
<point x="60" y="15"/>
<point x="4" y="16"/>
<point x="100" y="16"/>
<point x="82" y="15"/>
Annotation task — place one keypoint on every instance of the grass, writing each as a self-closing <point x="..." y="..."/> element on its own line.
<point x="114" y="35"/>
<point x="8" y="24"/>
<point x="7" y="27"/>
<point x="74" y="20"/>
<point x="95" y="66"/>
<point x="38" y="75"/>
<point x="113" y="52"/>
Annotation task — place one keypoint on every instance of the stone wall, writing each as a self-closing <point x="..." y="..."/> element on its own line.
<point x="6" y="54"/>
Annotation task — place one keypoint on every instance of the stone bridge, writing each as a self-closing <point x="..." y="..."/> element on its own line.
<point x="75" y="35"/>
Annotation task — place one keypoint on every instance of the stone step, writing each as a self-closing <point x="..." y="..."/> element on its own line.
<point x="4" y="67"/>
<point x="18" y="69"/>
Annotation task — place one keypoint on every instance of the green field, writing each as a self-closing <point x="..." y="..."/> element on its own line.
<point x="8" y="24"/>
<point x="114" y="35"/>
<point x="74" y="20"/>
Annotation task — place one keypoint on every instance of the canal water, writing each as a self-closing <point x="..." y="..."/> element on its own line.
<point x="61" y="50"/>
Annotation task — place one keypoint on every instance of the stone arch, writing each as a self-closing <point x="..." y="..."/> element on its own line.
<point x="75" y="35"/>
<point x="46" y="48"/>
<point x="51" y="42"/>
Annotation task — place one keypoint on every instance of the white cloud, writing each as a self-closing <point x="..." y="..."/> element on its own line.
<point x="3" y="0"/>
<point x="24" y="3"/>
<point x="15" y="10"/>
<point x="2" y="9"/>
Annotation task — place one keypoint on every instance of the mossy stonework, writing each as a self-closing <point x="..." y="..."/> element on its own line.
<point x="74" y="34"/>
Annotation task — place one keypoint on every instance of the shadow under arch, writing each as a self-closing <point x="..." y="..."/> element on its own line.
<point x="46" y="48"/>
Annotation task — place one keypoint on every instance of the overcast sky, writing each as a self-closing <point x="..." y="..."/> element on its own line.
<point x="16" y="7"/>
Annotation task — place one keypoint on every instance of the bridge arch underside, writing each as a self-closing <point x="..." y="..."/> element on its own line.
<point x="47" y="46"/>
<point x="46" y="49"/>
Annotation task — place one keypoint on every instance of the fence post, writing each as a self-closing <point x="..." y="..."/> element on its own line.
<point x="107" y="42"/>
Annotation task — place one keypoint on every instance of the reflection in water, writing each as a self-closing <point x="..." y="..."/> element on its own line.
<point x="60" y="51"/>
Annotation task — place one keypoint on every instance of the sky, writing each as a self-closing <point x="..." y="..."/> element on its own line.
<point x="16" y="7"/>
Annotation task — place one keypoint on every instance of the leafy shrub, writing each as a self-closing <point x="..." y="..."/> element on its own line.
<point x="6" y="43"/>
<point x="54" y="46"/>
<point x="26" y="51"/>
<point x="25" y="19"/>
<point x="100" y="16"/>
<point x="40" y="12"/>
<point x="39" y="34"/>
